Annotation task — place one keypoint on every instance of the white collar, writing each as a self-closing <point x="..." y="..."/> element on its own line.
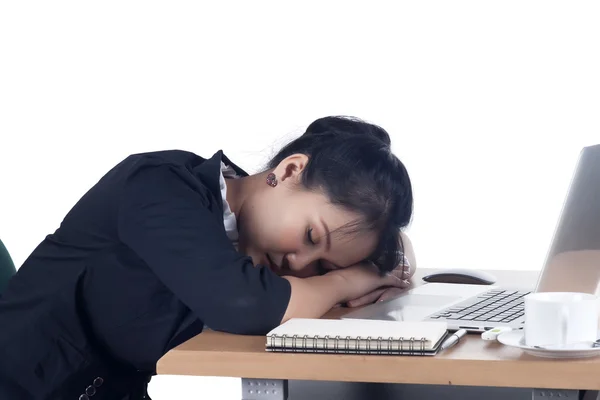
<point x="229" y="220"/>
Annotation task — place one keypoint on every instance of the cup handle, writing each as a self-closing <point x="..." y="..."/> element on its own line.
<point x="564" y="324"/>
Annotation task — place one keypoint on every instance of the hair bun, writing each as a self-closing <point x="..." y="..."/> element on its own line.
<point x="349" y="126"/>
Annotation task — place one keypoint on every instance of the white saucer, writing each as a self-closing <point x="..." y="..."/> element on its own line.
<point x="517" y="339"/>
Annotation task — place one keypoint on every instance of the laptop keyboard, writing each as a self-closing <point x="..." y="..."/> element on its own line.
<point x="492" y="306"/>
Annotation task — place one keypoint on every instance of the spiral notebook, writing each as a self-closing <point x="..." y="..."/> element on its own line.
<point x="356" y="336"/>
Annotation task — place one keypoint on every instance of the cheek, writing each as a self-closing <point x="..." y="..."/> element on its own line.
<point x="289" y="236"/>
<point x="273" y="223"/>
<point x="256" y="229"/>
<point x="274" y="237"/>
<point x="266" y="229"/>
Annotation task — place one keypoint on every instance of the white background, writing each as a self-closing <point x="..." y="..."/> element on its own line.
<point x="487" y="103"/>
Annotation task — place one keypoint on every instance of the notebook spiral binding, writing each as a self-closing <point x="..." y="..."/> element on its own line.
<point x="310" y="344"/>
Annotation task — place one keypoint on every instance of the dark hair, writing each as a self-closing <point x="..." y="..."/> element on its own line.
<point x="352" y="163"/>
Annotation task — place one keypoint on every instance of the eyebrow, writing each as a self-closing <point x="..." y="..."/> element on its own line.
<point x="328" y="243"/>
<point x="327" y="234"/>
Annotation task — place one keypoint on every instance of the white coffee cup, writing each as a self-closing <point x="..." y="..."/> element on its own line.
<point x="560" y="319"/>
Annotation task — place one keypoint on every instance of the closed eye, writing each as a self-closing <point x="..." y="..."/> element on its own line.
<point x="310" y="237"/>
<point x="321" y="270"/>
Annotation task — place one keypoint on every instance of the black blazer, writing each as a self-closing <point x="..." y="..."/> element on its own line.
<point x="139" y="265"/>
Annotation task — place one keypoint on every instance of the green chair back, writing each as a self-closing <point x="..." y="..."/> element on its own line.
<point x="7" y="267"/>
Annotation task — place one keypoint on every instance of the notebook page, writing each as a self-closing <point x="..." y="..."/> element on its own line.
<point x="431" y="330"/>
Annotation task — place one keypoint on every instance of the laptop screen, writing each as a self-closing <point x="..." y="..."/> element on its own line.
<point x="573" y="260"/>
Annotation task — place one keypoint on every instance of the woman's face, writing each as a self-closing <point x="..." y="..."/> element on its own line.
<point x="298" y="232"/>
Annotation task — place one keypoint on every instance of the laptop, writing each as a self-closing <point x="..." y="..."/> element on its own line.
<point x="572" y="264"/>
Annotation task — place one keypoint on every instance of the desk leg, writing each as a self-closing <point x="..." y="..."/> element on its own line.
<point x="264" y="389"/>
<point x="547" y="394"/>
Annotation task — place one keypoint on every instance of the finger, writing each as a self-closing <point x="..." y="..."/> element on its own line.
<point x="406" y="271"/>
<point x="405" y="267"/>
<point x="390" y="294"/>
<point x="402" y="284"/>
<point x="403" y="270"/>
<point x="398" y="272"/>
<point x="395" y="281"/>
<point x="366" y="299"/>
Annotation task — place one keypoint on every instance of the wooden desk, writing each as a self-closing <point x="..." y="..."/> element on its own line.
<point x="473" y="362"/>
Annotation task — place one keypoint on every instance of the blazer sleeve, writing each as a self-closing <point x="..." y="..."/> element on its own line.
<point x="165" y="218"/>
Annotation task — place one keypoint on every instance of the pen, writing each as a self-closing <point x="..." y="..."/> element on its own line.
<point x="453" y="339"/>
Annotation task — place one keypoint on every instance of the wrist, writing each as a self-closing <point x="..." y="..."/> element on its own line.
<point x="355" y="281"/>
<point x="339" y="285"/>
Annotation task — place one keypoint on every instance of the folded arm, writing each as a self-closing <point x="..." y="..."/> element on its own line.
<point x="404" y="272"/>
<point x="167" y="217"/>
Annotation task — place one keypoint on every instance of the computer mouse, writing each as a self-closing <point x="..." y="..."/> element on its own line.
<point x="467" y="276"/>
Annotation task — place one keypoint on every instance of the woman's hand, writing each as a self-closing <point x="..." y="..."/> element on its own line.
<point x="361" y="279"/>
<point x="404" y="272"/>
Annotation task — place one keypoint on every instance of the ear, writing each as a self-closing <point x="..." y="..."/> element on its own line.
<point x="291" y="167"/>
